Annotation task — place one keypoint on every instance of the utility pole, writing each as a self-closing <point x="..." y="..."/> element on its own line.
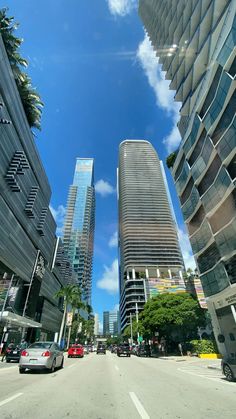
<point x="137" y="319"/>
<point x="131" y="329"/>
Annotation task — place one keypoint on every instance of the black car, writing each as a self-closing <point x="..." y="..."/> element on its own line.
<point x="228" y="367"/>
<point x="144" y="350"/>
<point x="101" y="349"/>
<point x="123" y="349"/>
<point x="13" y="354"/>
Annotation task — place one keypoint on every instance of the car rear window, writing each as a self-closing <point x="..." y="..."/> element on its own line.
<point x="76" y="346"/>
<point x="40" y="345"/>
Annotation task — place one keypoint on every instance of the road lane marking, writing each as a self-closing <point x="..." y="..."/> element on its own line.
<point x="217" y="380"/>
<point x="10" y="399"/>
<point x="142" y="412"/>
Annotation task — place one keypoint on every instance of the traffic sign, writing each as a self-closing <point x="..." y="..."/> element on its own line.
<point x="140" y="339"/>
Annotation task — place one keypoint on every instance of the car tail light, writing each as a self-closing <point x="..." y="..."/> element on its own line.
<point x="46" y="353"/>
<point x="24" y="353"/>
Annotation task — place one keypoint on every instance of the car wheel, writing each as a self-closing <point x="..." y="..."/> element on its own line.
<point x="228" y="373"/>
<point x="8" y="360"/>
<point x="69" y="356"/>
<point x="21" y="370"/>
<point x="52" y="369"/>
<point x="62" y="363"/>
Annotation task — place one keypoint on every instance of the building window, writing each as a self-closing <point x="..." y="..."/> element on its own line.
<point x="202" y="161"/>
<point x="214" y="281"/>
<point x="197" y="220"/>
<point x="180" y="167"/>
<point x="187" y="191"/>
<point x="217" y="191"/>
<point x="209" y="258"/>
<point x="211" y="92"/>
<point x="192" y="137"/>
<point x="201" y="237"/>
<point x="218" y="102"/>
<point x="190" y="205"/>
<point x="227" y="142"/>
<point x="230" y="267"/>
<point x="225" y="213"/>
<point x="198" y="148"/>
<point x="210" y="175"/>
<point x="232" y="168"/>
<point x="226" y="239"/>
<point x="225" y="120"/>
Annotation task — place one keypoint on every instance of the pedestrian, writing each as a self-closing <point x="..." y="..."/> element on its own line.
<point x="3" y="351"/>
<point x="180" y="348"/>
<point x="7" y="347"/>
<point x="23" y="344"/>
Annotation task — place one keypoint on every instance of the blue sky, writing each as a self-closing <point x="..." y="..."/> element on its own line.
<point x="100" y="82"/>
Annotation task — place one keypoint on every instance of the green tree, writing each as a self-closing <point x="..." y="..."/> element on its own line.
<point x="72" y="298"/>
<point x="31" y="101"/>
<point x="137" y="327"/>
<point x="174" y="315"/>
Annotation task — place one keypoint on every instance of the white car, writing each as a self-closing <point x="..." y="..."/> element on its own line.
<point x="41" y="355"/>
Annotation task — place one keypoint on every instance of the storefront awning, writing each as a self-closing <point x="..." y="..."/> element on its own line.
<point x="20" y="321"/>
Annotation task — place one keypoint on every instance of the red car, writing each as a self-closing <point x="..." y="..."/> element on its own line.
<point x="76" y="351"/>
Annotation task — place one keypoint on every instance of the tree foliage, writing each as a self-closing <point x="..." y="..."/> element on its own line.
<point x="173" y="315"/>
<point x="31" y="100"/>
<point x="171" y="159"/>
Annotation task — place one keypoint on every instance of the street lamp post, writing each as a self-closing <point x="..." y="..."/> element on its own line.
<point x="131" y="329"/>
<point x="137" y="320"/>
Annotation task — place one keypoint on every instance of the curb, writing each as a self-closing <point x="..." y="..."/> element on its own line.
<point x="213" y="368"/>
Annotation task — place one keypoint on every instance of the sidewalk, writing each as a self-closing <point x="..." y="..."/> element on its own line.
<point x="209" y="363"/>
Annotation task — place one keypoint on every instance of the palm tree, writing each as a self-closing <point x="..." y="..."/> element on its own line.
<point x="31" y="101"/>
<point x="72" y="297"/>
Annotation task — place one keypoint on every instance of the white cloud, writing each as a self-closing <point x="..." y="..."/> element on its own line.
<point x="59" y="216"/>
<point x="113" y="242"/>
<point x="116" y="307"/>
<point x="164" y="97"/>
<point x="104" y="188"/>
<point x="186" y="249"/>
<point x="109" y="281"/>
<point x="121" y="7"/>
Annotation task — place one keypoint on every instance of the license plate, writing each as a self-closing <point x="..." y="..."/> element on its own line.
<point x="33" y="361"/>
<point x="14" y="352"/>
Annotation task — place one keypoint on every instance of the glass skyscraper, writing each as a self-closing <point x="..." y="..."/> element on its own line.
<point x="80" y="223"/>
<point x="195" y="41"/>
<point x="150" y="256"/>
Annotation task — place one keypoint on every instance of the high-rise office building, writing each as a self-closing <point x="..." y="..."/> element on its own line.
<point x="79" y="224"/>
<point x="106" y="323"/>
<point x="148" y="242"/>
<point x="111" y="323"/>
<point x="195" y="42"/>
<point x="96" y="324"/>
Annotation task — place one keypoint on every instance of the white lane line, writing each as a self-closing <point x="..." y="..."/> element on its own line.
<point x="217" y="380"/>
<point x="72" y="365"/>
<point x="142" y="412"/>
<point x="10" y="399"/>
<point x="117" y="368"/>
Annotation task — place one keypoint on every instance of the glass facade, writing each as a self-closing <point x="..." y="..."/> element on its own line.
<point x="204" y="169"/>
<point x="79" y="224"/>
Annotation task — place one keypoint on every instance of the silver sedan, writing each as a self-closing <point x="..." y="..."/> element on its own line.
<point x="41" y="355"/>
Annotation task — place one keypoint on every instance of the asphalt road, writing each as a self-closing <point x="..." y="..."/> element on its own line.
<point x="108" y="387"/>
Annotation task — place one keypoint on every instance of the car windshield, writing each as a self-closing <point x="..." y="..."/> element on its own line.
<point x="40" y="345"/>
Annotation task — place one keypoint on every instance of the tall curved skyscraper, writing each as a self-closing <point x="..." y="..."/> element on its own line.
<point x="150" y="256"/>
<point x="79" y="224"/>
